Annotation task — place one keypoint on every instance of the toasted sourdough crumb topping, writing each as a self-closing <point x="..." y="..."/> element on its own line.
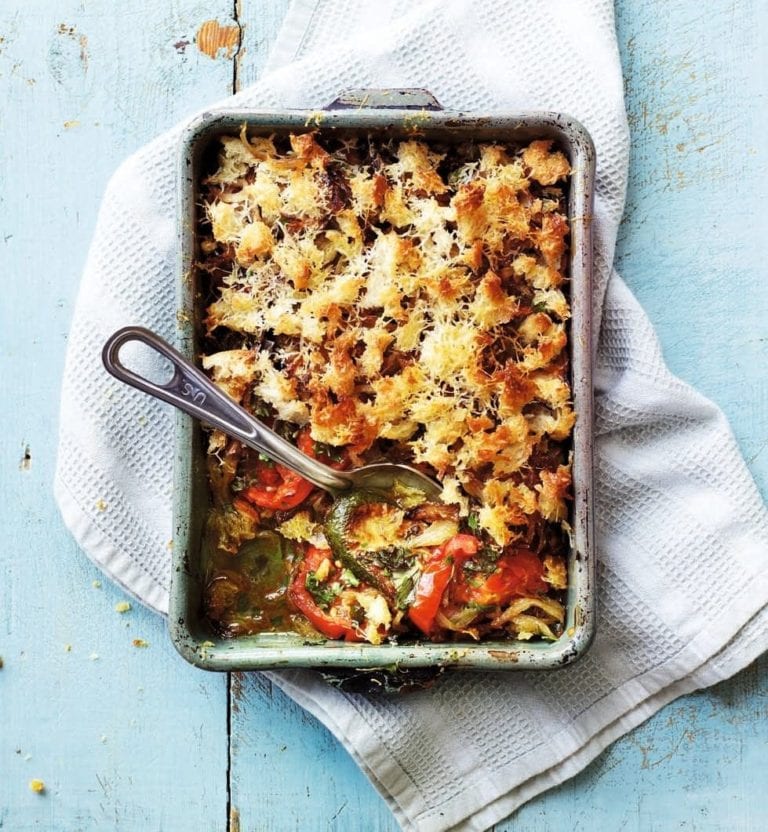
<point x="403" y="300"/>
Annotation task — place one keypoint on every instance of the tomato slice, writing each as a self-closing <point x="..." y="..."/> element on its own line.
<point x="435" y="577"/>
<point x="308" y="446"/>
<point x="517" y="573"/>
<point x="279" y="488"/>
<point x="267" y="473"/>
<point x="291" y="492"/>
<point x="302" y="599"/>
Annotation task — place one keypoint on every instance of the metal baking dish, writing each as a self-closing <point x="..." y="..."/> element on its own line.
<point x="395" y="113"/>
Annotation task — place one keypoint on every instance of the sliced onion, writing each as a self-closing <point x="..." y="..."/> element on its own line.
<point x="550" y="607"/>
<point x="459" y="623"/>
<point x="435" y="534"/>
<point x="528" y="626"/>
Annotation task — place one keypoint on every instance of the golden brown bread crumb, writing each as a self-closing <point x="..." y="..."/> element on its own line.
<point x="405" y="300"/>
<point x="411" y="313"/>
<point x="546" y="167"/>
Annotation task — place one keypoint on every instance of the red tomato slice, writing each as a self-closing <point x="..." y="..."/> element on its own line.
<point x="517" y="573"/>
<point x="302" y="599"/>
<point x="279" y="488"/>
<point x="435" y="577"/>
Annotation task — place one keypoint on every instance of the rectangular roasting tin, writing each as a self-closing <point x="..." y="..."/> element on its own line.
<point x="397" y="113"/>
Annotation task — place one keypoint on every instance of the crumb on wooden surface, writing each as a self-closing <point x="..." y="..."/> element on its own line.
<point x="139" y="642"/>
<point x="37" y="786"/>
<point x="122" y="606"/>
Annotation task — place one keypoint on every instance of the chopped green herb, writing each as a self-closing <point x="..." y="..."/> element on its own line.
<point x="262" y="409"/>
<point x="488" y="554"/>
<point x="473" y="522"/>
<point x="405" y="584"/>
<point x="539" y="307"/>
<point x="484" y="561"/>
<point x="287" y="430"/>
<point x="324" y="595"/>
<point x="348" y="577"/>
<point x="329" y="451"/>
<point x="395" y="557"/>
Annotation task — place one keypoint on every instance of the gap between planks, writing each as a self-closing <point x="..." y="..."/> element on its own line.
<point x="233" y="816"/>
<point x="237" y="13"/>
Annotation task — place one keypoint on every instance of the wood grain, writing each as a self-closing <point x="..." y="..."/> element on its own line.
<point x="123" y="738"/>
<point x="694" y="241"/>
<point x="295" y="779"/>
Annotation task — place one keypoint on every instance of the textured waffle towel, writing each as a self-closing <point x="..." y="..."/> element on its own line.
<point x="681" y="529"/>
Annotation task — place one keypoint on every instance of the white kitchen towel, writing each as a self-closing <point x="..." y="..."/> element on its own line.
<point x="682" y="531"/>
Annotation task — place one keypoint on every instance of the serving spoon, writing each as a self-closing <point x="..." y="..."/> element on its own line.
<point x="192" y="391"/>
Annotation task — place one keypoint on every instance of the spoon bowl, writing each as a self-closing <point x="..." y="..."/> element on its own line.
<point x="191" y="391"/>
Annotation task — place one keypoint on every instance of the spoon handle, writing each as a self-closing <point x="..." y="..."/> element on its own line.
<point x="192" y="391"/>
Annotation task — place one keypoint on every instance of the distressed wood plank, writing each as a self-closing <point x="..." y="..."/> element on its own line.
<point x="687" y="248"/>
<point x="697" y="764"/>
<point x="134" y="739"/>
<point x="260" y="23"/>
<point x="693" y="245"/>
<point x="288" y="771"/>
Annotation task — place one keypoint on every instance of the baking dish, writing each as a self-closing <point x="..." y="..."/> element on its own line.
<point x="396" y="113"/>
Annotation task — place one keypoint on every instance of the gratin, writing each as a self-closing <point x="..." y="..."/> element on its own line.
<point x="390" y="300"/>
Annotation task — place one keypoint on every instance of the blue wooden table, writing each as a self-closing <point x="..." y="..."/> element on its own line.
<point x="133" y="738"/>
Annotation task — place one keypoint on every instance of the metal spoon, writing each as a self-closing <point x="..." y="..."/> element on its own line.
<point x="193" y="392"/>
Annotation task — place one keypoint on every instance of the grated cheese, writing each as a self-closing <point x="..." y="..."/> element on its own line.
<point x="412" y="303"/>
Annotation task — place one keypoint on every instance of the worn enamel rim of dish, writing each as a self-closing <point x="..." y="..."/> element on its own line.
<point x="406" y="113"/>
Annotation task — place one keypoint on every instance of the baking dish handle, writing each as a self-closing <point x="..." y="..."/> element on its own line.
<point x="385" y="99"/>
